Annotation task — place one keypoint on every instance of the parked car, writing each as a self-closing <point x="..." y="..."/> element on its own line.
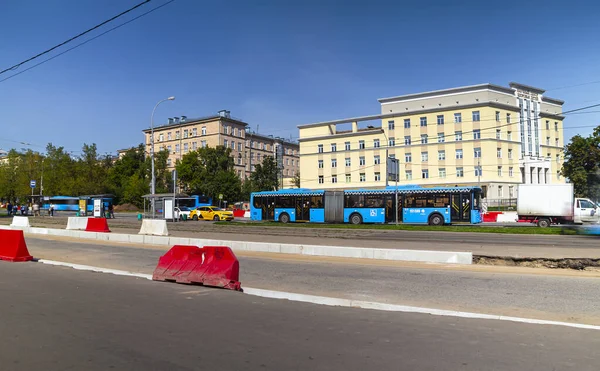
<point x="211" y="213"/>
<point x="180" y="211"/>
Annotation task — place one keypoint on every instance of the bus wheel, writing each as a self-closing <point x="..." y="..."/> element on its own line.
<point x="436" y="219"/>
<point x="543" y="223"/>
<point x="356" y="219"/>
<point x="195" y="217"/>
<point x="284" y="218"/>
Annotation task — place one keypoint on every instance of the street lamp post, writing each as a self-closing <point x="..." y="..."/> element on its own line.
<point x="153" y="184"/>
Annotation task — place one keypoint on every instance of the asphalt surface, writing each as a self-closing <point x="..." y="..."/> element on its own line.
<point x="56" y="318"/>
<point x="492" y="290"/>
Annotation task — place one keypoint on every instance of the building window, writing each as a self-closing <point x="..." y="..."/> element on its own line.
<point x="321" y="180"/>
<point x="547" y="124"/>
<point x="177" y="134"/>
<point x="408" y="157"/>
<point x="442" y="172"/>
<point x="500" y="191"/>
<point x="499" y="170"/>
<point x="334" y="179"/>
<point x="441" y="155"/>
<point x="478" y="171"/>
<point x="547" y="141"/>
<point x="508" y="118"/>
<point x="408" y="174"/>
<point x="499" y="152"/>
<point x="557" y="158"/>
<point x="169" y="136"/>
<point x="362" y="161"/>
<point x="195" y="132"/>
<point x="510" y="172"/>
<point x="347" y="146"/>
<point x="407" y="123"/>
<point x="556" y="142"/>
<point x="458" y="136"/>
<point x="361" y="144"/>
<point x="348" y="162"/>
<point x="441" y="138"/>
<point x="392" y="142"/>
<point x="320" y="148"/>
<point x="194" y="146"/>
<point x="511" y="191"/>
<point x="240" y="146"/>
<point x="407" y="141"/>
<point x="258" y="157"/>
<point x="497" y="115"/>
<point x="186" y="147"/>
<point x="253" y="167"/>
<point x="509" y="135"/>
<point x="232" y="144"/>
<point x="377" y="160"/>
<point x="460" y="173"/>
<point x="348" y="178"/>
<point x="475" y="116"/>
<point x="203" y="144"/>
<point x="168" y="162"/>
<point x="377" y="177"/>
<point x="375" y="143"/>
<point x="161" y="137"/>
<point x="440" y="119"/>
<point x="362" y="177"/>
<point x="423" y="121"/>
<point x="555" y="126"/>
<point x="459" y="154"/>
<point x="423" y="138"/>
<point x="185" y="133"/>
<point x="510" y="153"/>
<point x="424" y="156"/>
<point x="391" y="125"/>
<point x="334" y="162"/>
<point x="457" y="118"/>
<point x="497" y="133"/>
<point x="177" y="148"/>
<point x="225" y="143"/>
<point x="320" y="162"/>
<point x="476" y="134"/>
<point x="477" y="152"/>
<point x="425" y="174"/>
<point x="333" y="147"/>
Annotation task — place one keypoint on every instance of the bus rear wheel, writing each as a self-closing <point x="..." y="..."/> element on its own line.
<point x="356" y="219"/>
<point x="284" y="218"/>
<point x="436" y="219"/>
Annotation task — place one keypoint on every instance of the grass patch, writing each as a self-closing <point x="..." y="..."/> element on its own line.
<point x="408" y="227"/>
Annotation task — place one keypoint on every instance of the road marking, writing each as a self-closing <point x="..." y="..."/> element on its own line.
<point x="337" y="302"/>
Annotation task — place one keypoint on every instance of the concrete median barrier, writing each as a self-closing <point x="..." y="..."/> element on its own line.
<point x="20" y="222"/>
<point x="154" y="227"/>
<point x="77" y="223"/>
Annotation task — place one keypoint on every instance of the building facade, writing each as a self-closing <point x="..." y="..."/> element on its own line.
<point x="488" y="135"/>
<point x="182" y="135"/>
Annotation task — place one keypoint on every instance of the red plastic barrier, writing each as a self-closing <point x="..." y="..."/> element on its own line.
<point x="97" y="225"/>
<point x="13" y="247"/>
<point x="238" y="213"/>
<point x="491" y="217"/>
<point x="209" y="265"/>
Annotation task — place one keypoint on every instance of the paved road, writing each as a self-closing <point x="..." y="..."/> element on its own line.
<point x="486" y="244"/>
<point x="494" y="290"/>
<point x="56" y="318"/>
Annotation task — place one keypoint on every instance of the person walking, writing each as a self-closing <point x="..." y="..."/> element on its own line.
<point x="9" y="208"/>
<point x="111" y="211"/>
<point x="51" y="210"/>
<point x="36" y="210"/>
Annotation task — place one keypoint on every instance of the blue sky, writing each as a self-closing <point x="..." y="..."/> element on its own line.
<point x="278" y="64"/>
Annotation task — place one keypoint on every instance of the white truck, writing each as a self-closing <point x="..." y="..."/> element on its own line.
<point x="547" y="204"/>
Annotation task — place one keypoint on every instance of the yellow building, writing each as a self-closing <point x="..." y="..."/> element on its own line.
<point x="182" y="135"/>
<point x="485" y="134"/>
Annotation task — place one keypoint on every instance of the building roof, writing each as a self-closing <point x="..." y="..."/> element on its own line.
<point x="461" y="89"/>
<point x="189" y="121"/>
<point x="270" y="138"/>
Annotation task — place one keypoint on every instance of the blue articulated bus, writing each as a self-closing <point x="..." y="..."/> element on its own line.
<point x="70" y="203"/>
<point x="416" y="204"/>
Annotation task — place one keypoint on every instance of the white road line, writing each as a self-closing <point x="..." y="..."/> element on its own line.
<point x="337" y="302"/>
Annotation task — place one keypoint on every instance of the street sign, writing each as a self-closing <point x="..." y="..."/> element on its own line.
<point x="220" y="196"/>
<point x="32" y="184"/>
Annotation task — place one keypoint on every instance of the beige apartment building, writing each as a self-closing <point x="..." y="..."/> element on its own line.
<point x="488" y="135"/>
<point x="181" y="135"/>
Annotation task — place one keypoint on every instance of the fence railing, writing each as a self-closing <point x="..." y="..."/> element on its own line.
<point x="506" y="204"/>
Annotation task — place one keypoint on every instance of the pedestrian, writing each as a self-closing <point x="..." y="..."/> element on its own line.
<point x="111" y="211"/>
<point x="9" y="208"/>
<point x="23" y="210"/>
<point x="51" y="210"/>
<point x="36" y="210"/>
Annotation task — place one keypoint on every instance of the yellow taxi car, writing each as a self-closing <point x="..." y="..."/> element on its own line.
<point x="211" y="213"/>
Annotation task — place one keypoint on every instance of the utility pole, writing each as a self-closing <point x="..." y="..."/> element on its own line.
<point x="478" y="172"/>
<point x="153" y="182"/>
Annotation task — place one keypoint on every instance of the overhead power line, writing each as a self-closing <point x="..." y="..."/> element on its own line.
<point x="73" y="38"/>
<point x="87" y="41"/>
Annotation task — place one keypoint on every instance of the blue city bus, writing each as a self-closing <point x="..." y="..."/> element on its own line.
<point x="416" y="204"/>
<point x="193" y="202"/>
<point x="71" y="203"/>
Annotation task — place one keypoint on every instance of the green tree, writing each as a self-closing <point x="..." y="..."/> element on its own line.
<point x="297" y="180"/>
<point x="266" y="175"/>
<point x="582" y="164"/>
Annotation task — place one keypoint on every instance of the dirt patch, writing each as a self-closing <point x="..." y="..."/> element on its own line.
<point x="568" y="263"/>
<point x="126" y="207"/>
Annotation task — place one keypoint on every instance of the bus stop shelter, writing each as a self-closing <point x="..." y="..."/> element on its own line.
<point x="159" y="202"/>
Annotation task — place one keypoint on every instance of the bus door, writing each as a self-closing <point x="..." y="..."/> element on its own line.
<point x="302" y="208"/>
<point x="461" y="207"/>
<point x="268" y="208"/>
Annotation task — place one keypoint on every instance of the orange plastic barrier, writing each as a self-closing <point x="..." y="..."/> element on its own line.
<point x="209" y="266"/>
<point x="13" y="247"/>
<point x="97" y="225"/>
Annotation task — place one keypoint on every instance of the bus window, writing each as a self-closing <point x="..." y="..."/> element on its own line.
<point x="353" y="200"/>
<point x="374" y="201"/>
<point x="441" y="200"/>
<point x="409" y="201"/>
<point x="285" y="201"/>
<point x="476" y="200"/>
<point x="257" y="202"/>
<point x="316" y="202"/>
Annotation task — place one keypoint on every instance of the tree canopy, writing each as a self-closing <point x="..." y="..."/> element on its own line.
<point x="582" y="164"/>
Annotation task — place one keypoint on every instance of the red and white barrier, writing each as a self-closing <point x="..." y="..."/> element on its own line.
<point x="500" y="217"/>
